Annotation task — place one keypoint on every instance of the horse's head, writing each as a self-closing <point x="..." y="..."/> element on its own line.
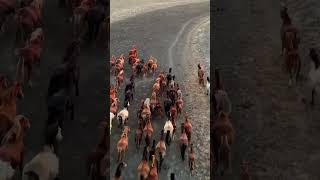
<point x="24" y="122"/>
<point x="17" y="90"/>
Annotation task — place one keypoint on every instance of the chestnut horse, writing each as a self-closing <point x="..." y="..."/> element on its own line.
<point x="120" y="167"/>
<point x="30" y="55"/>
<point x="13" y="152"/>
<point x="188" y="127"/>
<point x="122" y="145"/>
<point x="201" y="75"/>
<point x="144" y="168"/>
<point x="221" y="129"/>
<point x="148" y="131"/>
<point x="161" y="149"/>
<point x="183" y="142"/>
<point x="192" y="158"/>
<point x="154" y="169"/>
<point x="138" y="136"/>
<point x="9" y="101"/>
<point x="16" y="131"/>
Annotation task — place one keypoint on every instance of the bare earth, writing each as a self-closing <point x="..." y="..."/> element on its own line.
<point x="275" y="131"/>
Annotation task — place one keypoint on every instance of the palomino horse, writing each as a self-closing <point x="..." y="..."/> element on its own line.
<point x="122" y="145"/>
<point x="45" y="165"/>
<point x="13" y="152"/>
<point x="148" y="131"/>
<point x="183" y="142"/>
<point x="161" y="149"/>
<point x="222" y="128"/>
<point x="144" y="168"/>
<point x="201" y="75"/>
<point x="9" y="100"/>
<point x="245" y="171"/>
<point x="192" y="158"/>
<point x="120" y="167"/>
<point x="154" y="169"/>
<point x="30" y="55"/>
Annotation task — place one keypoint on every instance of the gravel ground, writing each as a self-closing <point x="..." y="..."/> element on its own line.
<point x="167" y="43"/>
<point x="275" y="131"/>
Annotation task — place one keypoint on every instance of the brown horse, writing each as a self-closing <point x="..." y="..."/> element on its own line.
<point x="293" y="63"/>
<point x="12" y="151"/>
<point x="201" y="75"/>
<point x="154" y="169"/>
<point x="16" y="131"/>
<point x="122" y="145"/>
<point x="29" y="18"/>
<point x="148" y="131"/>
<point x="188" y="127"/>
<point x="144" y="168"/>
<point x="29" y="56"/>
<point x="192" y="158"/>
<point x="9" y="106"/>
<point x="222" y="130"/>
<point x="183" y="142"/>
<point x="138" y="136"/>
<point x="179" y="104"/>
<point x="245" y="171"/>
<point x="161" y="149"/>
<point x="224" y="154"/>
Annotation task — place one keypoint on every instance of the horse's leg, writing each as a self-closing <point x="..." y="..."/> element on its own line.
<point x="313" y="92"/>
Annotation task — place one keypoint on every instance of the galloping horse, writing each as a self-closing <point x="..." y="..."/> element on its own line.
<point x="148" y="131"/>
<point x="183" y="142"/>
<point x="161" y="149"/>
<point x="201" y="75"/>
<point x="154" y="169"/>
<point x="188" y="127"/>
<point x="192" y="158"/>
<point x="8" y="107"/>
<point x="138" y="136"/>
<point x="222" y="131"/>
<point x="144" y="168"/>
<point x="122" y="145"/>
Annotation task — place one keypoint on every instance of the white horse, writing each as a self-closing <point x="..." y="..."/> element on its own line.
<point x="123" y="116"/>
<point x="147" y="102"/>
<point x="168" y="127"/>
<point x="45" y="165"/>
<point x="208" y="86"/>
<point x="314" y="73"/>
<point x="111" y="118"/>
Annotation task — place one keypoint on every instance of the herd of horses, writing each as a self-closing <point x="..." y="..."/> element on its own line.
<point x="166" y="101"/>
<point x="62" y="90"/>
<point x="290" y="50"/>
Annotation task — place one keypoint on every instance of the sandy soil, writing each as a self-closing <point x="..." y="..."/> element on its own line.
<point x="275" y="131"/>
